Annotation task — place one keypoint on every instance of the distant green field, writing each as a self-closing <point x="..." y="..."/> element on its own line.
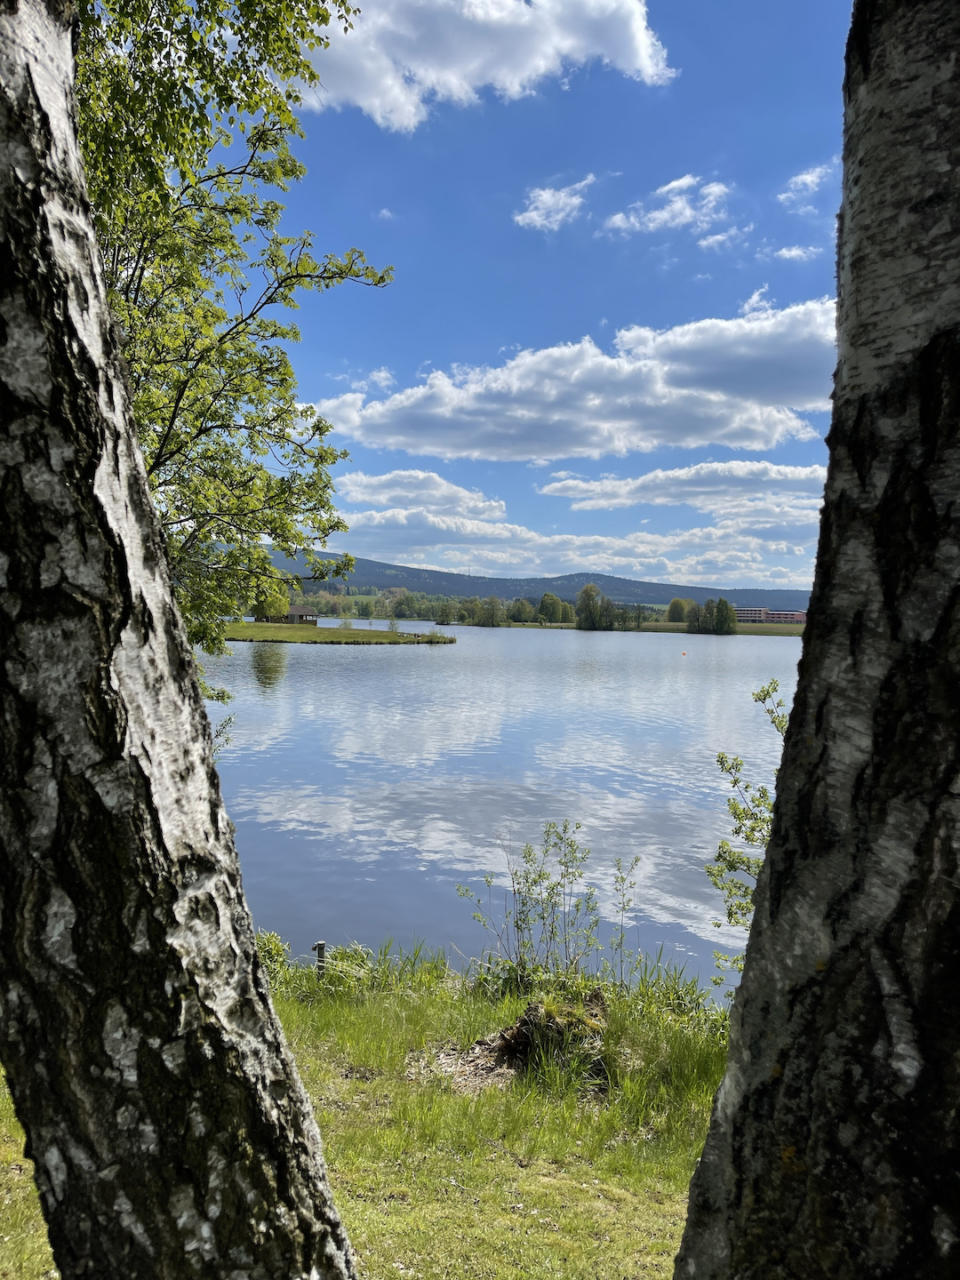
<point x="743" y="628"/>
<point x="770" y="628"/>
<point x="307" y="633"/>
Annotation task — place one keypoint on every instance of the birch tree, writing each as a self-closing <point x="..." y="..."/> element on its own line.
<point x="833" y="1149"/>
<point x="170" y="1134"/>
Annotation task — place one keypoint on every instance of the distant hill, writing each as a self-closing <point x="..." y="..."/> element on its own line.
<point x="376" y="573"/>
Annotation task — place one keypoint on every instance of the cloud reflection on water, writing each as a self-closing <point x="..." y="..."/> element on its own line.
<point x="392" y="772"/>
<point x="387" y="825"/>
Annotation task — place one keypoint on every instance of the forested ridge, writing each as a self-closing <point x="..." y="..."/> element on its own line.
<point x="376" y="573"/>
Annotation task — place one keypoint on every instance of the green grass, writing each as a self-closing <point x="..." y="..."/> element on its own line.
<point x="441" y="1171"/>
<point x="743" y="628"/>
<point x="770" y="628"/>
<point x="358" y="633"/>
<point x="307" y="633"/>
<point x="24" y="1252"/>
<point x="663" y="626"/>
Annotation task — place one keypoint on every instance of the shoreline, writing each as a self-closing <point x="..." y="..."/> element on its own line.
<point x="306" y="633"/>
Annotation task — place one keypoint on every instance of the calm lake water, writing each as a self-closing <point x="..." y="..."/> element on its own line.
<point x="366" y="782"/>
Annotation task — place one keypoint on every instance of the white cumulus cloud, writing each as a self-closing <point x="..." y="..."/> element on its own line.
<point x="423" y="490"/>
<point x="740" y="383"/>
<point x="777" y="551"/>
<point x="403" y="57"/>
<point x="753" y="491"/>
<point x="797" y="193"/>
<point x="548" y="208"/>
<point x="686" y="202"/>
<point x="757" y="302"/>
<point x="726" y="239"/>
<point x="381" y="378"/>
<point x="798" y="252"/>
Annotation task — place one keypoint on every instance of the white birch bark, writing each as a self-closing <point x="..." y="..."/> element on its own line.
<point x="834" y="1148"/>
<point x="171" y="1135"/>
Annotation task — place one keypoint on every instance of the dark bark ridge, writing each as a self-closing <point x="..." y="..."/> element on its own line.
<point x="834" y="1150"/>
<point x="171" y="1135"/>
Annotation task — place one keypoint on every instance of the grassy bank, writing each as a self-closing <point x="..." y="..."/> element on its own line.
<point x="680" y="628"/>
<point x="307" y="633"/>
<point x="770" y="628"/>
<point x="474" y="1132"/>
<point x="743" y="628"/>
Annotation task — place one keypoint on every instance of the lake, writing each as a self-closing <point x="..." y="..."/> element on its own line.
<point x="366" y="782"/>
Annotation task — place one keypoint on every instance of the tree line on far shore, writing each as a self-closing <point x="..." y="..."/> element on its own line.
<point x="401" y="603"/>
<point x="592" y="611"/>
<point x="713" y="617"/>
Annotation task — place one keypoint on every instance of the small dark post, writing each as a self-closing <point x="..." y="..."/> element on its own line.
<point x="321" y="949"/>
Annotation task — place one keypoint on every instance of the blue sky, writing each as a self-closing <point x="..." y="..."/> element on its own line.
<point x="609" y="343"/>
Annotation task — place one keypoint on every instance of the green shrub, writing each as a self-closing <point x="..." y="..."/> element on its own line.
<point x="734" y="870"/>
<point x="547" y="933"/>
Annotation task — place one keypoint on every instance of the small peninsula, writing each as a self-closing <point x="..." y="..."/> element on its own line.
<point x="307" y="633"/>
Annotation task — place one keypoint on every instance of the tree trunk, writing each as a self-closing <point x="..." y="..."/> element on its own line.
<point x="833" y="1149"/>
<point x="171" y="1135"/>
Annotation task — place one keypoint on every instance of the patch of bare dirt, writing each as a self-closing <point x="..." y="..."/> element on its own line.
<point x="468" y="1070"/>
<point x="561" y="1032"/>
